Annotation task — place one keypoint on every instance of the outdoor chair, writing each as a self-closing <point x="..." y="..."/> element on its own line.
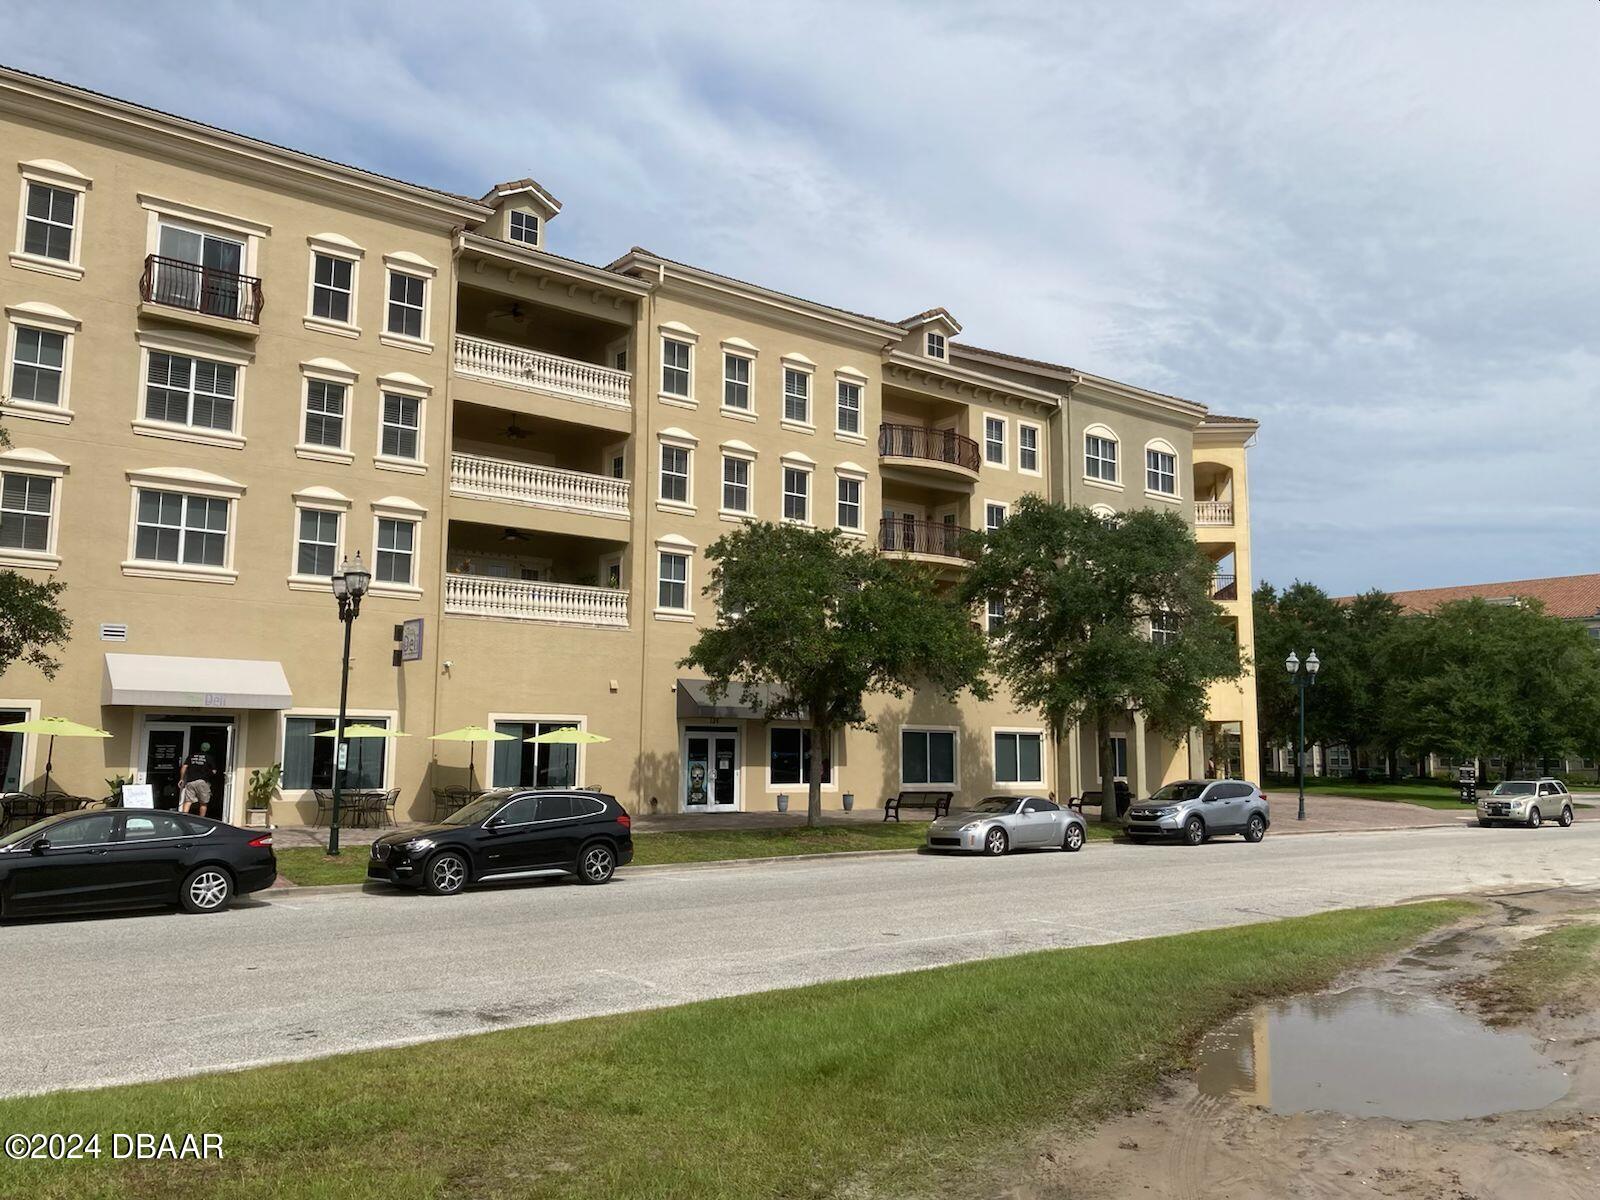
<point x="390" y="799"/>
<point x="324" y="807"/>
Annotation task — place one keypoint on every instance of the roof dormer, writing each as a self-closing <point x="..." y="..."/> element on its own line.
<point x="522" y="210"/>
<point x="928" y="334"/>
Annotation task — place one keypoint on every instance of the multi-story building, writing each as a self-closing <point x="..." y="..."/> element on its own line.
<point x="229" y="366"/>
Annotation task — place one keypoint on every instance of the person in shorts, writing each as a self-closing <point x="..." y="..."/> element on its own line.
<point x="195" y="782"/>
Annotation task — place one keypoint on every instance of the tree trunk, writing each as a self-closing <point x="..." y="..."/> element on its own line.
<point x="1108" y="785"/>
<point x="820" y="749"/>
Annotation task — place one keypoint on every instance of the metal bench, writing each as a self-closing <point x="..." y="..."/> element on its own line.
<point x="938" y="801"/>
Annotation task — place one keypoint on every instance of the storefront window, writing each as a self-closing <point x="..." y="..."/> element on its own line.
<point x="11" y="751"/>
<point x="791" y="758"/>
<point x="519" y="764"/>
<point x="308" y="760"/>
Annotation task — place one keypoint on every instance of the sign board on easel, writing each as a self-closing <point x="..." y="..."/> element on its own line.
<point x="138" y="795"/>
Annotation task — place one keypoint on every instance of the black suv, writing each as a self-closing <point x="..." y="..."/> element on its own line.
<point x="510" y="833"/>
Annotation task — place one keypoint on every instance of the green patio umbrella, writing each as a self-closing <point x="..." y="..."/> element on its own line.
<point x="472" y="735"/>
<point x="54" y="727"/>
<point x="567" y="736"/>
<point x="362" y="731"/>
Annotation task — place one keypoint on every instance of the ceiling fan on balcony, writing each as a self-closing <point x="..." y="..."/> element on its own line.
<point x="513" y="535"/>
<point x="512" y="312"/>
<point x="516" y="431"/>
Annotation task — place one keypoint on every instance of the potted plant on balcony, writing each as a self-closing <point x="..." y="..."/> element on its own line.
<point x="262" y="788"/>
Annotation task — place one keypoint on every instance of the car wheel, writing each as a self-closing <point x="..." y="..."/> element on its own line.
<point x="1567" y="818"/>
<point x="207" y="889"/>
<point x="447" y="874"/>
<point x="597" y="863"/>
<point x="1194" y="831"/>
<point x="1074" y="839"/>
<point x="1534" y="819"/>
<point x="1256" y="829"/>
<point x="995" y="841"/>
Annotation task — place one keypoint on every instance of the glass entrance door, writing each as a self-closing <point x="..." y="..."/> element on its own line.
<point x="164" y="750"/>
<point x="711" y="771"/>
<point x="167" y="744"/>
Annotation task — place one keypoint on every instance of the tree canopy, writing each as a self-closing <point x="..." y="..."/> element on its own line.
<point x="809" y="622"/>
<point x="1102" y="616"/>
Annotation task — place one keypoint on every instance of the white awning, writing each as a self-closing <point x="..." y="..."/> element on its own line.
<point x="163" y="681"/>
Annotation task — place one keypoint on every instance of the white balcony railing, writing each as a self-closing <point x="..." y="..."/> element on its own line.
<point x="534" y="370"/>
<point x="1213" y="512"/>
<point x="523" y="600"/>
<point x="546" y="487"/>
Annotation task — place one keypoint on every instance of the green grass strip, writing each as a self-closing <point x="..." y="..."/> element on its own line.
<point x="893" y="1083"/>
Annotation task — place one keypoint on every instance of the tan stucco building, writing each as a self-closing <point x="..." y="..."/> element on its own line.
<point x="230" y="365"/>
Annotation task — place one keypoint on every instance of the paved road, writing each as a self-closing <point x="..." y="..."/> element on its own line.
<point x="108" y="1000"/>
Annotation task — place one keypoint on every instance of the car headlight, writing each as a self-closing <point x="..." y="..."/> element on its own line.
<point x="1164" y="812"/>
<point x="970" y="825"/>
<point x="417" y="845"/>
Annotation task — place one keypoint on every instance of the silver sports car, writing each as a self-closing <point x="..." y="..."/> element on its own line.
<point x="1001" y="823"/>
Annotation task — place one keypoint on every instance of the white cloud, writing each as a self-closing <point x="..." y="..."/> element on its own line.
<point x="1371" y="225"/>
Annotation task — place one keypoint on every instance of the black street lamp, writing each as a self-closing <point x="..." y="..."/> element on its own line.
<point x="1303" y="680"/>
<point x="349" y="585"/>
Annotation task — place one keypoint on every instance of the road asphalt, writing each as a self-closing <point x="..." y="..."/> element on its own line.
<point x="96" y="1001"/>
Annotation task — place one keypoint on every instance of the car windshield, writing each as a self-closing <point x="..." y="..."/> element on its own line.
<point x="478" y="811"/>
<point x="1514" y="789"/>
<point x="27" y="831"/>
<point x="1177" y="793"/>
<point x="995" y="804"/>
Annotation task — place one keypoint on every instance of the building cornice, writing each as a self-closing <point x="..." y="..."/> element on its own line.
<point x="519" y="261"/>
<point x="45" y="100"/>
<point x="903" y="369"/>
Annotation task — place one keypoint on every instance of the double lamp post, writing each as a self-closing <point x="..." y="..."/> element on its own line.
<point x="1302" y="680"/>
<point x="350" y="583"/>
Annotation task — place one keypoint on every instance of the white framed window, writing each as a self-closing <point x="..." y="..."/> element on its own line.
<point x="406" y="315"/>
<point x="27" y="518"/>
<point x="675" y="473"/>
<point x="672" y="580"/>
<point x="1163" y="627"/>
<point x="1028" y="448"/>
<point x="333" y="288"/>
<point x="797" y="494"/>
<point x="400" y="431"/>
<point x="735" y="484"/>
<point x="736" y="381"/>
<point x="326" y="416"/>
<point x="1100" y="454"/>
<point x="927" y="757"/>
<point x="994" y="515"/>
<point x="395" y="556"/>
<point x="316" y="554"/>
<point x="1161" y="469"/>
<point x="193" y="398"/>
<point x="935" y="345"/>
<point x="994" y="440"/>
<point x="849" y="414"/>
<point x="38" y="375"/>
<point x="309" y="761"/>
<point x="849" y="517"/>
<point x="790" y="761"/>
<point x="50" y="219"/>
<point x="994" y="616"/>
<point x="1018" y="756"/>
<point x="677" y="365"/>
<point x="796" y="396"/>
<point x="525" y="226"/>
<point x="181" y="528"/>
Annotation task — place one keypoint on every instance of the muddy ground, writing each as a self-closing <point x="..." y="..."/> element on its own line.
<point x="1193" y="1144"/>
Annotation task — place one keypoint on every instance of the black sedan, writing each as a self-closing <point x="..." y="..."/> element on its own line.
<point x="130" y="858"/>
<point x="510" y="833"/>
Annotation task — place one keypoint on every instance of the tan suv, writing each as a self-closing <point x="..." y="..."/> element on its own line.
<point x="1526" y="802"/>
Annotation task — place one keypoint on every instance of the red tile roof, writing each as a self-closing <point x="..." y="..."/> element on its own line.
<point x="1574" y="597"/>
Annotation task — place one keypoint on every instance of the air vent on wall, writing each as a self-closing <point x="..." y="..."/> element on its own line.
<point x="113" y="633"/>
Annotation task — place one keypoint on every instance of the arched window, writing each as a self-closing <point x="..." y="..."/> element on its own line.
<point x="1160" y="468"/>
<point x="1100" y="455"/>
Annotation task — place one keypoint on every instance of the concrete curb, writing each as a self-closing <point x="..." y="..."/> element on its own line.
<point x="333" y="889"/>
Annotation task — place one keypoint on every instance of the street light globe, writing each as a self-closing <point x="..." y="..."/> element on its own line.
<point x="358" y="578"/>
<point x="1292" y="663"/>
<point x="1312" y="662"/>
<point x="340" y="587"/>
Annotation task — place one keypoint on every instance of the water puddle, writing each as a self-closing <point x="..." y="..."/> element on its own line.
<point x="1369" y="1053"/>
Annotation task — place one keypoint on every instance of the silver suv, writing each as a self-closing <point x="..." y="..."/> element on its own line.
<point x="1197" y="809"/>
<point x="1527" y="802"/>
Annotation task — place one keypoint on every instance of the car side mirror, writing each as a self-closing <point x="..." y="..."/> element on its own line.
<point x="494" y="822"/>
<point x="40" y="845"/>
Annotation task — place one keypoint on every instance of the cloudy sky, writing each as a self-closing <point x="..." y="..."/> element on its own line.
<point x="1374" y="225"/>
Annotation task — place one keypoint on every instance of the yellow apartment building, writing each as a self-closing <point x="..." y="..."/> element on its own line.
<point x="230" y="365"/>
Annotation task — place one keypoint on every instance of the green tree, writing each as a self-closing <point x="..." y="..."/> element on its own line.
<point x="808" y="623"/>
<point x="1485" y="680"/>
<point x="1081" y="596"/>
<point x="1301" y="618"/>
<point x="31" y="621"/>
<point x="1370" y="644"/>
